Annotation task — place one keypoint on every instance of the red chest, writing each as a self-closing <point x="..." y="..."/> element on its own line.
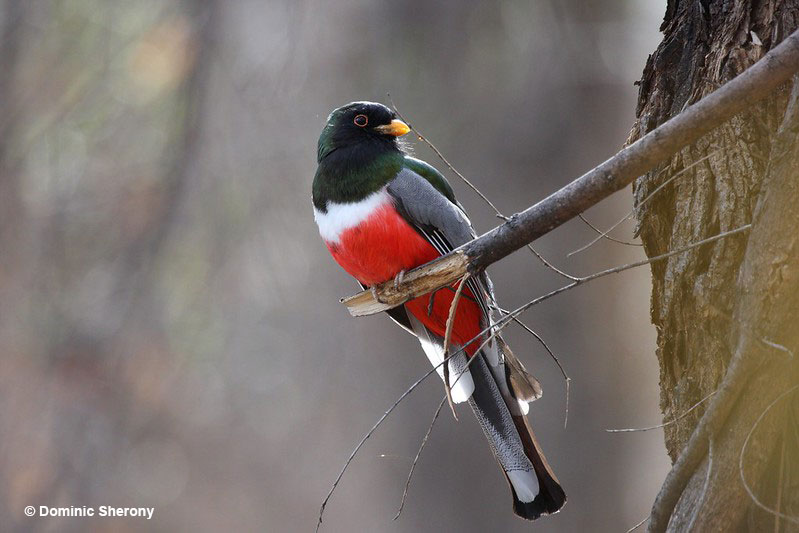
<point x="382" y="244"/>
<point x="380" y="247"/>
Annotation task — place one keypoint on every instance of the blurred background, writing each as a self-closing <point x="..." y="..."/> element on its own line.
<point x="169" y="321"/>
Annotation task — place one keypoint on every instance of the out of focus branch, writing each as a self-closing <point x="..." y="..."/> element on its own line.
<point x="752" y="85"/>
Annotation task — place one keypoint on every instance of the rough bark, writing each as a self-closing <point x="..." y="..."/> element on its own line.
<point x="722" y="313"/>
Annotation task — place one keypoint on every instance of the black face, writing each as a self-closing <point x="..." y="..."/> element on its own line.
<point x="355" y="123"/>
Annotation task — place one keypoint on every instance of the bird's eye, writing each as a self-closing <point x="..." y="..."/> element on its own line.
<point x="361" y="120"/>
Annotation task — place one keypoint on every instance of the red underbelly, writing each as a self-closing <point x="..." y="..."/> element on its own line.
<point x="385" y="244"/>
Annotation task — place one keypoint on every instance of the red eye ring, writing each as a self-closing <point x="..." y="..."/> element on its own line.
<point x="361" y="120"/>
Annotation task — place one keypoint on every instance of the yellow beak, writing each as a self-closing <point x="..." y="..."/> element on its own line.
<point x="396" y="128"/>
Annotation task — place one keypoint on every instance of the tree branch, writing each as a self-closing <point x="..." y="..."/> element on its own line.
<point x="752" y="85"/>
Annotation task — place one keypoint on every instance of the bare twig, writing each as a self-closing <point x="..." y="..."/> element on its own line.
<point x="566" y="378"/>
<point x="538" y="337"/>
<point x="752" y="85"/>
<point x="664" y="424"/>
<point x="541" y="257"/>
<point x="605" y="234"/>
<point x="364" y="439"/>
<point x="628" y="266"/>
<point x="550" y="265"/>
<point x="453" y="309"/>
<point x="602" y="235"/>
<point x="416" y="459"/>
<point x="471" y="186"/>
<point x="636" y="526"/>
<point x="566" y="416"/>
<point x="441" y="156"/>
<point x="789" y="518"/>
<point x="693" y="452"/>
<point x="675" y="176"/>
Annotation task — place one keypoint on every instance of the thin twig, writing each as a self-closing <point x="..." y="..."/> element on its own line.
<point x="471" y="185"/>
<point x="441" y="156"/>
<point x="636" y="526"/>
<point x="453" y="308"/>
<point x="364" y="439"/>
<point x="541" y="257"/>
<point x="762" y="340"/>
<point x="566" y="416"/>
<point x="550" y="265"/>
<point x="566" y="378"/>
<point x="628" y="266"/>
<point x="790" y="518"/>
<point x="664" y="424"/>
<point x="604" y="234"/>
<point x="538" y="337"/>
<point x="418" y="453"/>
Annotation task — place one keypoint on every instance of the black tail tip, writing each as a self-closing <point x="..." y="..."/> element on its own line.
<point x="547" y="502"/>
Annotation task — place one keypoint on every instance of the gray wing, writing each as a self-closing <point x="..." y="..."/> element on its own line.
<point x="442" y="223"/>
<point x="500" y="392"/>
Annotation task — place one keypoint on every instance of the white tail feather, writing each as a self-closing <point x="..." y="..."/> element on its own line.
<point x="525" y="483"/>
<point x="462" y="387"/>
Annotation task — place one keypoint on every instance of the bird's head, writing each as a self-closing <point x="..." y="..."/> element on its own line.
<point x="361" y="124"/>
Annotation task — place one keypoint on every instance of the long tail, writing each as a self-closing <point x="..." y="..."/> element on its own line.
<point x="498" y="395"/>
<point x="536" y="490"/>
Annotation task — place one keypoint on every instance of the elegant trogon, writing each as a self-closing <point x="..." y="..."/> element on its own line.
<point x="381" y="212"/>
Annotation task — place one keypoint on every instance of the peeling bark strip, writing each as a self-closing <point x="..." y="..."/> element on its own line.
<point x="752" y="85"/>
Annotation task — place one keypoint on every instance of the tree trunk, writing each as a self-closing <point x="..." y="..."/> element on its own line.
<point x="727" y="314"/>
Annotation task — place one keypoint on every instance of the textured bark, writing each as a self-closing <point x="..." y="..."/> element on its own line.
<point x="720" y="306"/>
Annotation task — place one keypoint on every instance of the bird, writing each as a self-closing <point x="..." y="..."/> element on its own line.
<point x="382" y="212"/>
